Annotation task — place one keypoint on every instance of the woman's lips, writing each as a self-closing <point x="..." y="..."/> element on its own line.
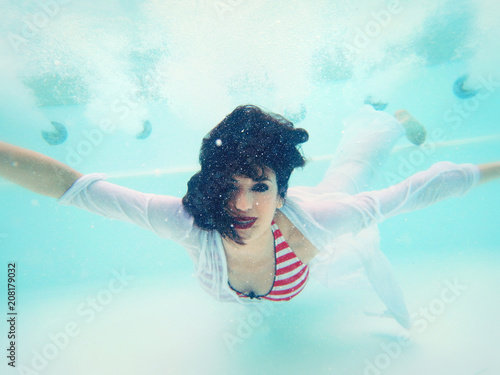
<point x="244" y="222"/>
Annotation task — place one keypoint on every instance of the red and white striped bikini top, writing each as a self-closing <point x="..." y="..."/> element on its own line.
<point x="290" y="273"/>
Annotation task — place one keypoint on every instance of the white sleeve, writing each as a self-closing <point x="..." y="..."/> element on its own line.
<point x="443" y="180"/>
<point x="164" y="215"/>
<point x="353" y="213"/>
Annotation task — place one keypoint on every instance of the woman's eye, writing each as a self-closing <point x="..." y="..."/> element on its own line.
<point x="260" y="187"/>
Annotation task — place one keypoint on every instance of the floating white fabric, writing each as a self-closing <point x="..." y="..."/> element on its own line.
<point x="336" y="216"/>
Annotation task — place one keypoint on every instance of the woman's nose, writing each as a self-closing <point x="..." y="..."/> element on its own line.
<point x="243" y="201"/>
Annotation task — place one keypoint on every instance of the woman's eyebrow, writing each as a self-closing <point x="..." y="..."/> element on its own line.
<point x="258" y="179"/>
<point x="262" y="178"/>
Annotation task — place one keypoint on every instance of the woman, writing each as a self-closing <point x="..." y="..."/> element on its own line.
<point x="251" y="238"/>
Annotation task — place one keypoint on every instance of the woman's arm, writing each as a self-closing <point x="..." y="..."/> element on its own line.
<point x="36" y="172"/>
<point x="489" y="171"/>
<point x="163" y="215"/>
<point x="353" y="213"/>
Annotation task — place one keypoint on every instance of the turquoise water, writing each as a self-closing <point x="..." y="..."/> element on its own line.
<point x="183" y="66"/>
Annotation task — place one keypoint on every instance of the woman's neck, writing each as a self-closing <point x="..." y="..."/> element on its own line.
<point x="251" y="250"/>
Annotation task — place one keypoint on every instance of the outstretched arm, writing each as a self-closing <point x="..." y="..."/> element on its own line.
<point x="161" y="214"/>
<point x="443" y="180"/>
<point x="36" y="172"/>
<point x="489" y="171"/>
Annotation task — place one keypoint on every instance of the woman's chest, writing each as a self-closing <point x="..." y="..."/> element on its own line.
<point x="252" y="276"/>
<point x="255" y="272"/>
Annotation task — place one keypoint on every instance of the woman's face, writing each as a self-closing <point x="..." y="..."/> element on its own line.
<point x="253" y="205"/>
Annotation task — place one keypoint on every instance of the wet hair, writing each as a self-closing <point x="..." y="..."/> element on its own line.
<point x="245" y="143"/>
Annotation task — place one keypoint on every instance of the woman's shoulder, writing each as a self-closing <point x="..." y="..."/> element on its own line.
<point x="297" y="240"/>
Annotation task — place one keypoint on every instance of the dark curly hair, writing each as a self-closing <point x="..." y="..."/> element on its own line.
<point x="246" y="142"/>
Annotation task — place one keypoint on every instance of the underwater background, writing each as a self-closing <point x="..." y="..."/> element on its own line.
<point x="129" y="88"/>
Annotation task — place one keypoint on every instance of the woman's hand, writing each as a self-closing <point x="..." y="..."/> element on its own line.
<point x="489" y="171"/>
<point x="36" y="172"/>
